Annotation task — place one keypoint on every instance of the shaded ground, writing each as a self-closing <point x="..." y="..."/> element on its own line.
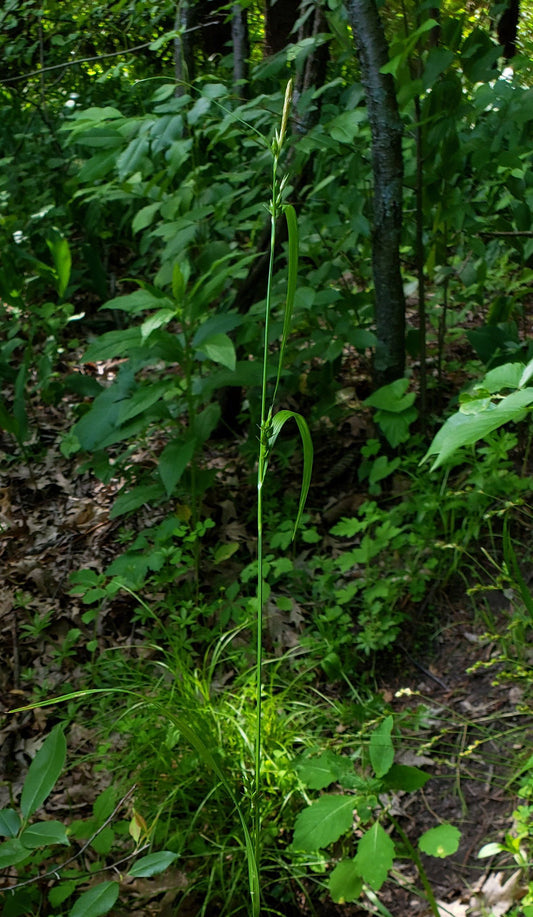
<point x="53" y="522"/>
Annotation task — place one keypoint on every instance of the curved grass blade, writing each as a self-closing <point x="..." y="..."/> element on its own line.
<point x="292" y="279"/>
<point x="278" y="421"/>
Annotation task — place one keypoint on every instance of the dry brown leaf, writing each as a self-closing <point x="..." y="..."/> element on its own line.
<point x="498" y="893"/>
<point x="452" y="909"/>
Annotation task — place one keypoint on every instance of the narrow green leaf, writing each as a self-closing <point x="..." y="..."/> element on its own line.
<point x="62" y="262"/>
<point x="323" y="822"/>
<point x="43" y="772"/>
<point x="220" y="349"/>
<point x="292" y="279"/>
<point x="139" y="301"/>
<point x="381" y="747"/>
<point x="441" y="841"/>
<point x="278" y="421"/>
<point x="141" y="400"/>
<point x="97" y="901"/>
<point x="174" y="460"/>
<point x="375" y="856"/>
<point x="44" y="833"/>
<point x="152" y="864"/>
<point x="345" y="883"/>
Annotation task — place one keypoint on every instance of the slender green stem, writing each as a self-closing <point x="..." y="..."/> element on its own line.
<point x="276" y="206"/>
<point x="261" y="471"/>
<point x="413" y="853"/>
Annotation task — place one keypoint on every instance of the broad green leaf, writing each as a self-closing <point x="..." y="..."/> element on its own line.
<point x="97" y="901"/>
<point x="346" y="126"/>
<point x="133" y="499"/>
<point x="43" y="772"/>
<point x="206" y="421"/>
<point x="527" y="375"/>
<point x="104" y="804"/>
<point x="102" y="421"/>
<point x="44" y="833"/>
<point x="502" y="377"/>
<point x="319" y="772"/>
<point x="9" y="823"/>
<point x="12" y="852"/>
<point x="158" y="320"/>
<point x="141" y="400"/>
<point x="139" y="301"/>
<point x="441" y="841"/>
<point x="404" y="777"/>
<point x="113" y="344"/>
<point x="466" y="429"/>
<point x="345" y="883"/>
<point x="216" y="324"/>
<point x="278" y="422"/>
<point x="375" y="856"/>
<point x="144" y="217"/>
<point x="225" y="551"/>
<point x="392" y="397"/>
<point x="62" y="891"/>
<point x="174" y="460"/>
<point x="381" y="748"/>
<point x="323" y="822"/>
<point x="133" y="156"/>
<point x="152" y="864"/>
<point x="220" y="349"/>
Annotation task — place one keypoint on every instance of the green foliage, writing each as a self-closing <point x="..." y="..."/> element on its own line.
<point x="332" y="817"/>
<point x="484" y="410"/>
<point x="159" y="191"/>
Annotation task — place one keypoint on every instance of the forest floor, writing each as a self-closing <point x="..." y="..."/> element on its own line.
<point x="54" y="521"/>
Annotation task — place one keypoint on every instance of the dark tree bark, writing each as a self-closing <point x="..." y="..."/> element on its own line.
<point x="508" y="28"/>
<point x="241" y="47"/>
<point x="280" y="19"/>
<point x="183" y="59"/>
<point x="387" y="164"/>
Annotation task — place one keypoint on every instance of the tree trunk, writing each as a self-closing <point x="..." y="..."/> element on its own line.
<point x="183" y="59"/>
<point x="241" y="47"/>
<point x="387" y="164"/>
<point x="508" y="28"/>
<point x="280" y="19"/>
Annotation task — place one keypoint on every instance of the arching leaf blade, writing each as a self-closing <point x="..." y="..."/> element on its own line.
<point x="292" y="280"/>
<point x="278" y="422"/>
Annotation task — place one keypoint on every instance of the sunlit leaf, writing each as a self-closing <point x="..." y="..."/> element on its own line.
<point x="375" y="856"/>
<point x="441" y="841"/>
<point x="97" y="901"/>
<point x="345" y="882"/>
<point x="152" y="864"/>
<point x="323" y="822"/>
